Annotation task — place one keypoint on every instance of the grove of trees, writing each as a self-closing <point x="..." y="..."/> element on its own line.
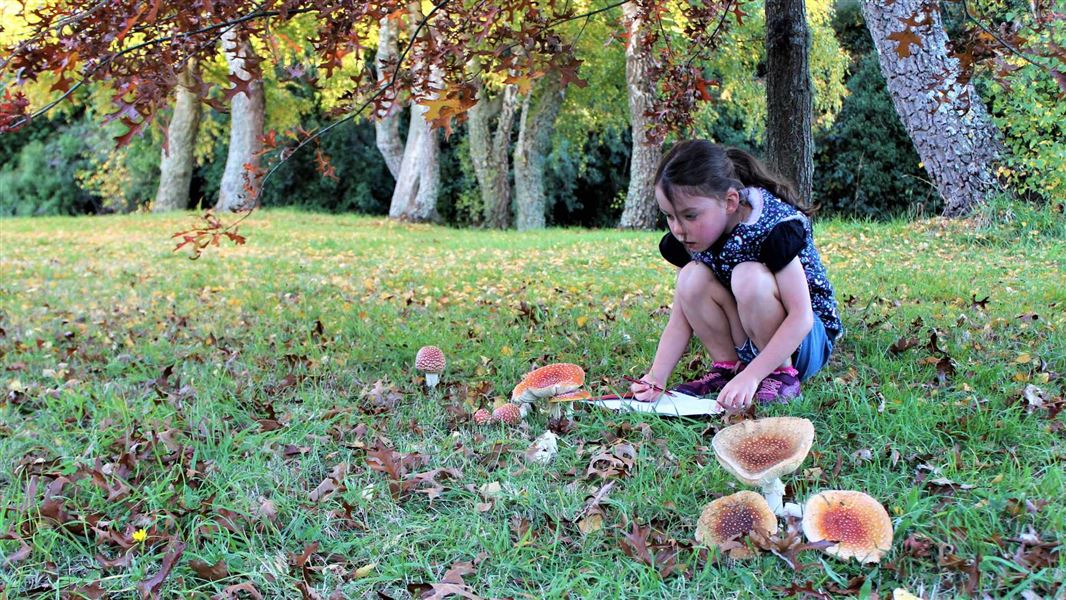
<point x="524" y="114"/>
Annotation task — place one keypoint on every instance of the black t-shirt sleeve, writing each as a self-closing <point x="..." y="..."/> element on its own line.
<point x="673" y="250"/>
<point x="782" y="244"/>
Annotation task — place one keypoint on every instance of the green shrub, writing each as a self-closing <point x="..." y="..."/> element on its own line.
<point x="40" y="178"/>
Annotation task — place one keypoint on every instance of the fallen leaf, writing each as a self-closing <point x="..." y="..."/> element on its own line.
<point x="208" y="572"/>
<point x="149" y="588"/>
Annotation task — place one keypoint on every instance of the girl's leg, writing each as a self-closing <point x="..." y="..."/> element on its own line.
<point x="710" y="310"/>
<point x="758" y="303"/>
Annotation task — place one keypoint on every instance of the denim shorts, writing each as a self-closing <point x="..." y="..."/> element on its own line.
<point x="808" y="359"/>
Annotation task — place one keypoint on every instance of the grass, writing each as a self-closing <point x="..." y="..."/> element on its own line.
<point x="224" y="391"/>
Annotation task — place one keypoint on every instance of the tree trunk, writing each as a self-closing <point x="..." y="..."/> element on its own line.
<point x="415" y="196"/>
<point x="641" y="211"/>
<point x="539" y="110"/>
<point x="789" y="94"/>
<point x="947" y="122"/>
<point x="387" y="124"/>
<point x="176" y="163"/>
<point x="489" y="150"/>
<point x="240" y="187"/>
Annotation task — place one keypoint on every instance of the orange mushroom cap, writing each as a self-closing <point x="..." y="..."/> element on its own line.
<point x="734" y="516"/>
<point x="508" y="413"/>
<point x="762" y="450"/>
<point x="547" y="381"/>
<point x="857" y="521"/>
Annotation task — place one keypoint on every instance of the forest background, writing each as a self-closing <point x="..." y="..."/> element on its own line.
<point x="865" y="163"/>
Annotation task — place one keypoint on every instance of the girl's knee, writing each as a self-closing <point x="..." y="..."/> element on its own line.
<point x="752" y="280"/>
<point x="695" y="283"/>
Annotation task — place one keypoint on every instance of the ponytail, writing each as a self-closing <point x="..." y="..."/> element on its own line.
<point x="753" y="173"/>
<point x="708" y="169"/>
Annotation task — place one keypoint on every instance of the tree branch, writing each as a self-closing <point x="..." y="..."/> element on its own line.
<point x="1001" y="41"/>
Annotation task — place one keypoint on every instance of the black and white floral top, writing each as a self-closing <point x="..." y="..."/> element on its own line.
<point x="778" y="234"/>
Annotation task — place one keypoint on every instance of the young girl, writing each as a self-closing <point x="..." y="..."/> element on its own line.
<point x="752" y="287"/>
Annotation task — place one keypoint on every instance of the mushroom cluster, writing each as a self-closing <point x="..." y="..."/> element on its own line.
<point x="759" y="453"/>
<point x="556" y="384"/>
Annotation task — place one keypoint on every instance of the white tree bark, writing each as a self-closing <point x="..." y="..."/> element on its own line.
<point x="490" y="149"/>
<point x="947" y="122"/>
<point x="789" y="94"/>
<point x="177" y="162"/>
<point x="387" y="125"/>
<point x="641" y="210"/>
<point x="247" y="114"/>
<point x="539" y="110"/>
<point x="418" y="183"/>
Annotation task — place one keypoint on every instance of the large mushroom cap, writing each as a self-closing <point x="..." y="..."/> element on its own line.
<point x="763" y="450"/>
<point x="734" y="516"/>
<point x="547" y="381"/>
<point x="429" y="359"/>
<point x="857" y="521"/>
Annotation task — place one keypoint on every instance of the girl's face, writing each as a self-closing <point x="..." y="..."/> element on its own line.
<point x="697" y="221"/>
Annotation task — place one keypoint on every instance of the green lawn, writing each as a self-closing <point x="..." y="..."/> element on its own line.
<point x="231" y="404"/>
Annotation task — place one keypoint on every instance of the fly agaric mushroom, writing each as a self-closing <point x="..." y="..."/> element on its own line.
<point x="550" y="380"/>
<point x="732" y="517"/>
<point x="507" y="413"/>
<point x="430" y="360"/>
<point x="482" y="416"/>
<point x="762" y="451"/>
<point x="857" y="522"/>
<point x="569" y="397"/>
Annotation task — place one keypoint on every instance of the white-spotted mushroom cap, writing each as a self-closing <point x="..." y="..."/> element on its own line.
<point x="856" y="521"/>
<point x="547" y="381"/>
<point x="429" y="359"/>
<point x="482" y="416"/>
<point x="732" y="517"/>
<point x="507" y="413"/>
<point x="762" y="450"/>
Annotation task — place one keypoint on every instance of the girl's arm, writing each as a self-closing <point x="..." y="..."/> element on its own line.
<point x="672" y="344"/>
<point x="799" y="318"/>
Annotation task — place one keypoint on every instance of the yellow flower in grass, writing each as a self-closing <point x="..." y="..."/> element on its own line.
<point x="140" y="535"/>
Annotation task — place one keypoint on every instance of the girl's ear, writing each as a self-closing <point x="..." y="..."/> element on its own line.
<point x="732" y="201"/>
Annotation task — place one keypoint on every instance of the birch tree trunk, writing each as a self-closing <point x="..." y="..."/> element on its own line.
<point x="387" y="125"/>
<point x="489" y="150"/>
<point x="946" y="120"/>
<point x="539" y="110"/>
<point x="641" y="210"/>
<point x="247" y="114"/>
<point x="176" y="163"/>
<point x="415" y="196"/>
<point x="789" y="94"/>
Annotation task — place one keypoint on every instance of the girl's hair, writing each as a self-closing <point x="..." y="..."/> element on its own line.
<point x="702" y="168"/>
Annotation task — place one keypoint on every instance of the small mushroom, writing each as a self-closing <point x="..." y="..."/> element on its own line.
<point x="508" y="413"/>
<point x="482" y="416"/>
<point x="857" y="522"/>
<point x="430" y="360"/>
<point x="547" y="381"/>
<point x="760" y="452"/>
<point x="734" y="516"/>
<point x="567" y="398"/>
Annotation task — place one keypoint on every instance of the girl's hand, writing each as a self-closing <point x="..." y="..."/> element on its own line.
<point x="739" y="392"/>
<point x="646" y="393"/>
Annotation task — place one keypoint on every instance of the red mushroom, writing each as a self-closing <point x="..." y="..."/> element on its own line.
<point x="762" y="451"/>
<point x="508" y="413"/>
<point x="548" y="381"/>
<point x="857" y="522"/>
<point x="430" y="360"/>
<point x="482" y="416"/>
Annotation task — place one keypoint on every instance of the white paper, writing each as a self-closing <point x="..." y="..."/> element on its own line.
<point x="676" y="404"/>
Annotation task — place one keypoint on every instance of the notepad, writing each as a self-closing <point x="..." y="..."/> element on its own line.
<point x="676" y="404"/>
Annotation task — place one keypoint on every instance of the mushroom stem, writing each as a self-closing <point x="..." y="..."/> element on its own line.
<point x="556" y="410"/>
<point x="774" y="491"/>
<point x="432" y="379"/>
